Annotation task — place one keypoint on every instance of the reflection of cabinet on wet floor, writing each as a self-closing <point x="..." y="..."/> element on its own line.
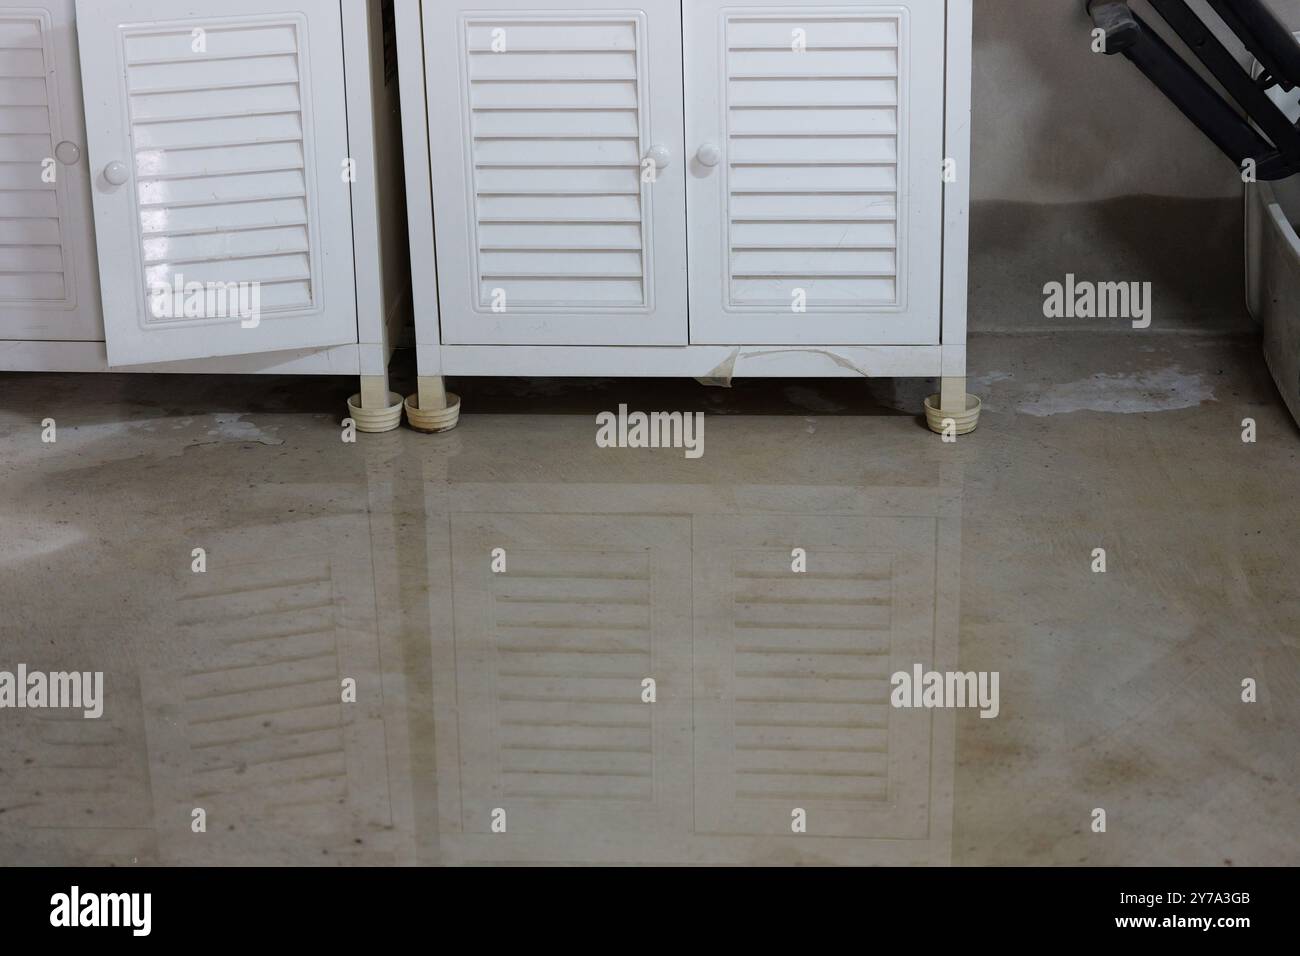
<point x="550" y="657"/>
<point x="792" y="675"/>
<point x="772" y="689"/>
<point x="246" y="715"/>
<point x="75" y="791"/>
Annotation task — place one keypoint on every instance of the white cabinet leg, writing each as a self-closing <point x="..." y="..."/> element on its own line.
<point x="953" y="411"/>
<point x="432" y="392"/>
<point x="374" y="391"/>
<point x="375" y="409"/>
<point x="432" y="408"/>
<point x="952" y="394"/>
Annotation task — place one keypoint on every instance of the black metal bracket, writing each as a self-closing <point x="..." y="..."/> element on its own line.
<point x="1274" y="146"/>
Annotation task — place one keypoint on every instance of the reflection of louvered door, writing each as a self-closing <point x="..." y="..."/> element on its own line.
<point x="218" y="144"/>
<point x="816" y="133"/>
<point x="47" y="282"/>
<point x="550" y="658"/>
<point x="542" y="116"/>
<point x="76" y="790"/>
<point x="246" y="713"/>
<point x="792" y="675"/>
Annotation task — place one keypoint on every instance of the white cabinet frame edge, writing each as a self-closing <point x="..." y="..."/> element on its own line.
<point x="362" y="63"/>
<point x="956" y="196"/>
<point x="419" y="185"/>
<point x="947" y="360"/>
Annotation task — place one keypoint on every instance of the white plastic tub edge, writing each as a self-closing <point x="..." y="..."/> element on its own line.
<point x="1273" y="280"/>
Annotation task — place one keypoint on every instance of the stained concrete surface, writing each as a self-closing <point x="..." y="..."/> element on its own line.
<point x="521" y="692"/>
<point x="1189" y="250"/>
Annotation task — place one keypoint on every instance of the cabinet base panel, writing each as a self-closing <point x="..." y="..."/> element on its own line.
<point x="93" y="357"/>
<point x="714" y="363"/>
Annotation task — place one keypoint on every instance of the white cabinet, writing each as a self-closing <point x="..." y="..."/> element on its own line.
<point x="773" y="188"/>
<point x="219" y="166"/>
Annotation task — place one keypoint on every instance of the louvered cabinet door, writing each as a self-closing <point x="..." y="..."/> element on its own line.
<point x="542" y="114"/>
<point x="816" y="136"/>
<point x="48" y="287"/>
<point x="792" y="675"/>
<point x="218" y="137"/>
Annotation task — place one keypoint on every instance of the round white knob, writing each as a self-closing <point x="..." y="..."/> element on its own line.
<point x="69" y="154"/>
<point x="660" y="156"/>
<point x="710" y="154"/>
<point x="116" y="174"/>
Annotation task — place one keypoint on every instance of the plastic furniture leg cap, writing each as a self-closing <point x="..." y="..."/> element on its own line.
<point x="440" y="420"/>
<point x="966" y="421"/>
<point x="376" y="420"/>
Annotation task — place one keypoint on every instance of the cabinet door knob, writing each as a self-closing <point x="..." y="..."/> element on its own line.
<point x="68" y="153"/>
<point x="710" y="154"/>
<point x="660" y="156"/>
<point x="116" y="173"/>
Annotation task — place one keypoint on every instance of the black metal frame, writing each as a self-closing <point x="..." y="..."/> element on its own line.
<point x="1275" y="151"/>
